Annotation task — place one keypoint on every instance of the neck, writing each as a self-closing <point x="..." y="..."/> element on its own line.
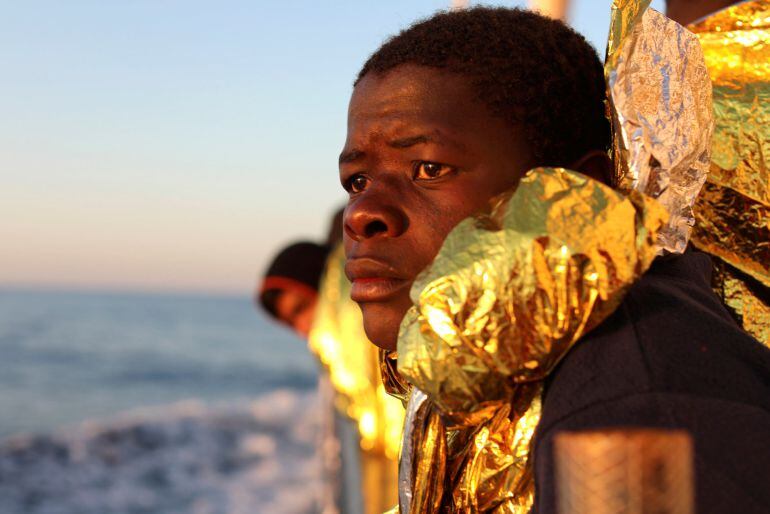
<point x="687" y="11"/>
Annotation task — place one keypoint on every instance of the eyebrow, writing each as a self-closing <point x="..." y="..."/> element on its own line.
<point x="351" y="156"/>
<point x="405" y="142"/>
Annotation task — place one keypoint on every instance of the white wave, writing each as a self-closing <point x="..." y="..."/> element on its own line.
<point x="247" y="457"/>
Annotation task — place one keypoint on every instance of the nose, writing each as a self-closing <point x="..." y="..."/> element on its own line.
<point x="374" y="215"/>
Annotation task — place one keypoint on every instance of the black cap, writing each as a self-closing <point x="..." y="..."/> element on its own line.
<point x="298" y="266"/>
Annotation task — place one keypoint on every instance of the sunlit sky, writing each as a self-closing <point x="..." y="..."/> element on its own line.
<point x="174" y="145"/>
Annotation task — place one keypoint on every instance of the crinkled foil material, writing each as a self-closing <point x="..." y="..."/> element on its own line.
<point x="493" y="474"/>
<point x="413" y="401"/>
<point x="395" y="384"/>
<point x="735" y="47"/>
<point x="507" y="296"/>
<point x="497" y="475"/>
<point x="745" y="297"/>
<point x="337" y="338"/>
<point x="736" y="229"/>
<point x="421" y="479"/>
<point x="510" y="292"/>
<point x="660" y="101"/>
<point x="733" y="213"/>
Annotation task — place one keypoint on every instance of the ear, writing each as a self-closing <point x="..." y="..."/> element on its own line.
<point x="596" y="164"/>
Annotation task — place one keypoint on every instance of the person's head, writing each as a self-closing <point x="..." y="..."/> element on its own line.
<point x="444" y="116"/>
<point x="688" y="11"/>
<point x="289" y="288"/>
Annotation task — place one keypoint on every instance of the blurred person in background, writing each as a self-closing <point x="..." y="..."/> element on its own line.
<point x="305" y="288"/>
<point x="289" y="288"/>
<point x="688" y="11"/>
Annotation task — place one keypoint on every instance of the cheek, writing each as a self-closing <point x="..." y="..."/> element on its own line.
<point x="430" y="223"/>
<point x="472" y="196"/>
<point x="451" y="208"/>
<point x="441" y="213"/>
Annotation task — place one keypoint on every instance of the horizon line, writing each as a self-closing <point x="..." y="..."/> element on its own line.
<point x="21" y="287"/>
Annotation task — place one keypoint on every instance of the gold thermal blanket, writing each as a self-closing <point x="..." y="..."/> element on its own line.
<point x="508" y="295"/>
<point x="660" y="100"/>
<point x="338" y="340"/>
<point x="733" y="212"/>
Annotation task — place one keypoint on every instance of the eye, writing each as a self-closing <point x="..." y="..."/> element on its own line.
<point x="357" y="183"/>
<point x="424" y="170"/>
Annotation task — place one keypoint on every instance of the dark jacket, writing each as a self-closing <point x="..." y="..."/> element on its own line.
<point x="670" y="356"/>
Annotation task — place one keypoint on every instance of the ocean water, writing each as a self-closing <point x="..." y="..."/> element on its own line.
<point x="121" y="403"/>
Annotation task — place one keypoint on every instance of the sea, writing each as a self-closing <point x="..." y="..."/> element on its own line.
<point x="120" y="403"/>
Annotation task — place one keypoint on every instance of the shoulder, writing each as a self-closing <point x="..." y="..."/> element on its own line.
<point x="670" y="356"/>
<point x="671" y="335"/>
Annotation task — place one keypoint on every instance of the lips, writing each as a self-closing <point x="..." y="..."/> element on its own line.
<point x="373" y="280"/>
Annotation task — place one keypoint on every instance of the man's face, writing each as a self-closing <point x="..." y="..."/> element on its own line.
<point x="422" y="153"/>
<point x="296" y="309"/>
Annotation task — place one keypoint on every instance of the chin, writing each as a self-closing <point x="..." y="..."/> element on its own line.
<point x="381" y="325"/>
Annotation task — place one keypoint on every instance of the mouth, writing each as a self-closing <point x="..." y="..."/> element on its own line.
<point x="373" y="280"/>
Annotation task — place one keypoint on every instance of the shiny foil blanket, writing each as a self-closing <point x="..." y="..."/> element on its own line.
<point x="337" y="338"/>
<point x="509" y="293"/>
<point x="660" y="103"/>
<point x="733" y="212"/>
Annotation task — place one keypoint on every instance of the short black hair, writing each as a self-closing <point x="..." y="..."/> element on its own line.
<point x="528" y="69"/>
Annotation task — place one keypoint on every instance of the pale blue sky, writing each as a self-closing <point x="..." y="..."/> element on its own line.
<point x="176" y="144"/>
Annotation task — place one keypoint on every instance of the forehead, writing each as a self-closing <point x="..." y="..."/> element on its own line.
<point x="411" y="94"/>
